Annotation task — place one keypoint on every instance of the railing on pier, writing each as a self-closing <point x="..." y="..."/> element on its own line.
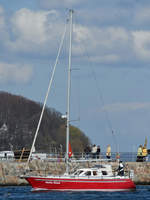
<point x="78" y="157"/>
<point x="124" y="156"/>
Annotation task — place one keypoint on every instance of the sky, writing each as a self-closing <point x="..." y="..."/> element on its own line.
<point x="110" y="77"/>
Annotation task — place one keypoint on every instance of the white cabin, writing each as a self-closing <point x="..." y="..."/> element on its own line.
<point x="101" y="170"/>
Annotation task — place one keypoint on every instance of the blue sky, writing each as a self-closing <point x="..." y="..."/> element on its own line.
<point x="111" y="58"/>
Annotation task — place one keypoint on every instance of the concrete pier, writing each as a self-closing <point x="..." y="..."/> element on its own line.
<point x="10" y="172"/>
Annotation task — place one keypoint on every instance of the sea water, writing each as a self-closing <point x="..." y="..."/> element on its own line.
<point x="25" y="193"/>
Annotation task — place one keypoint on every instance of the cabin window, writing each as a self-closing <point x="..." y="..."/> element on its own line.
<point x="88" y="173"/>
<point x="94" y="173"/>
<point x="104" y="172"/>
<point x="78" y="172"/>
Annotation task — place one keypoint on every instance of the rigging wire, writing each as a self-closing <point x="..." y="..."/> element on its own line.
<point x="101" y="99"/>
<point x="103" y="104"/>
<point x="47" y="93"/>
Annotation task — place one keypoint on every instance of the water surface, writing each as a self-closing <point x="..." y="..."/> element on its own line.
<point x="25" y="193"/>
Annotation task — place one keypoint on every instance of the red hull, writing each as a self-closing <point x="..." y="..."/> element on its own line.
<point x="62" y="184"/>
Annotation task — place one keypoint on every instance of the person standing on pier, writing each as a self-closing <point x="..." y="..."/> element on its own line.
<point x="87" y="151"/>
<point x="139" y="154"/>
<point x="144" y="153"/>
<point x="98" y="151"/>
<point x="108" y="152"/>
<point x="94" y="151"/>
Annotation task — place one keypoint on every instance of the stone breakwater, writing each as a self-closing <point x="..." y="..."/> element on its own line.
<point x="10" y="172"/>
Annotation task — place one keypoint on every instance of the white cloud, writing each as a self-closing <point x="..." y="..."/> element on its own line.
<point x="15" y="73"/>
<point x="124" y="107"/>
<point x="34" y="31"/>
<point x="105" y="58"/>
<point x="31" y="26"/>
<point x="142" y="44"/>
<point x="102" y="44"/>
<point x="39" y="32"/>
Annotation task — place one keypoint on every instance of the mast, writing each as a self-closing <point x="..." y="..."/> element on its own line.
<point x="68" y="94"/>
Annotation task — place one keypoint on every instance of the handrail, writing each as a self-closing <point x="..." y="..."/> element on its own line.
<point x="78" y="157"/>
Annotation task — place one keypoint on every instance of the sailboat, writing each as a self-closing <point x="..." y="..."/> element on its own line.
<point x="97" y="178"/>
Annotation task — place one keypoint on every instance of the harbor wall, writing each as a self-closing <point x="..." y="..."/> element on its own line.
<point x="10" y="172"/>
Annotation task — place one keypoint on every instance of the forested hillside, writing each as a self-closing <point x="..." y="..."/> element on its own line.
<point x="18" y="122"/>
